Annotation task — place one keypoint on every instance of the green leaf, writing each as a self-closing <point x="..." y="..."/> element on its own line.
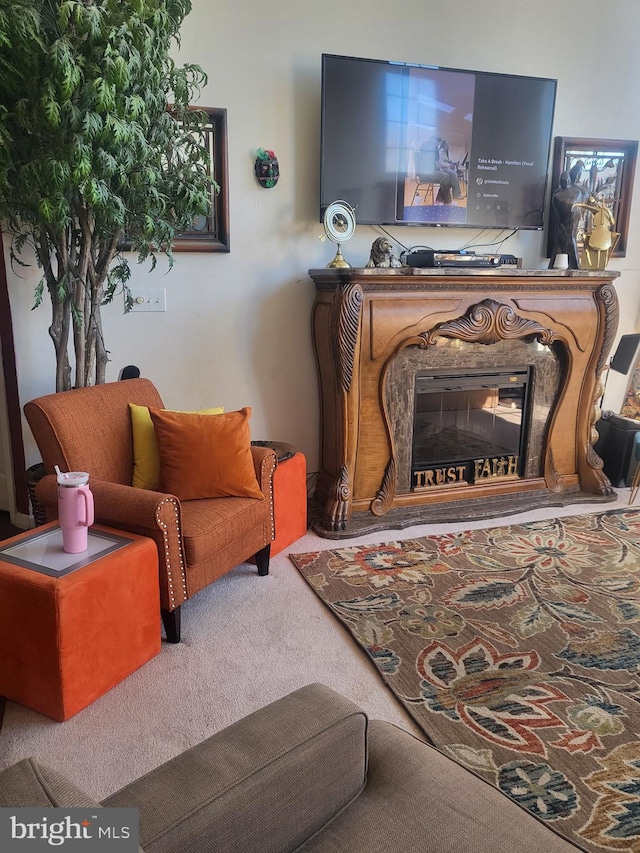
<point x="51" y="111"/>
<point x="38" y="294"/>
<point x="46" y="210"/>
<point x="65" y="11"/>
<point x="93" y="21"/>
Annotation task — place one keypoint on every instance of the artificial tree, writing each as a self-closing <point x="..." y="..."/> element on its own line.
<point x="99" y="152"/>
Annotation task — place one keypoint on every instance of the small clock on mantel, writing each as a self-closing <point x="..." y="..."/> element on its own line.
<point x="339" y="226"/>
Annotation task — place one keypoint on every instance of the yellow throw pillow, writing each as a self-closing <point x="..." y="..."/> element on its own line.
<point x="146" y="462"/>
<point x="205" y="457"/>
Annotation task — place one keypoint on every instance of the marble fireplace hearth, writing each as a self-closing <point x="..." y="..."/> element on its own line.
<point x="375" y="331"/>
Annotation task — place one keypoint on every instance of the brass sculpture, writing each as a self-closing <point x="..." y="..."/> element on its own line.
<point x="600" y="242"/>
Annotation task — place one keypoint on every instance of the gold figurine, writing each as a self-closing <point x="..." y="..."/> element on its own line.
<point x="600" y="242"/>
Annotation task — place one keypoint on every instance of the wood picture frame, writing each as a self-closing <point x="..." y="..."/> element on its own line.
<point x="608" y="169"/>
<point x="211" y="233"/>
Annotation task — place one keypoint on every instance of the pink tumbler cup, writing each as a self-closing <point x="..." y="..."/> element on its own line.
<point x="75" y="510"/>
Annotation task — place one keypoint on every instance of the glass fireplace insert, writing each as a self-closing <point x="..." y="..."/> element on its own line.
<point x="469" y="426"/>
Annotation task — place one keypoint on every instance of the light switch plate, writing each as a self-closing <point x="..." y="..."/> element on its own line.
<point x="149" y="300"/>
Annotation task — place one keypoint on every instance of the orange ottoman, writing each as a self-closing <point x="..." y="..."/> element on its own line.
<point x="289" y="501"/>
<point x="75" y="625"/>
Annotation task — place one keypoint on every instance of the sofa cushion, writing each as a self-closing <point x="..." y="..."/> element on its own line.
<point x="419" y="799"/>
<point x="216" y="524"/>
<point x="205" y="457"/>
<point x="266" y="783"/>
<point x="146" y="460"/>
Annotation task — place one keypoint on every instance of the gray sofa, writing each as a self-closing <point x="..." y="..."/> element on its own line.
<point x="309" y="772"/>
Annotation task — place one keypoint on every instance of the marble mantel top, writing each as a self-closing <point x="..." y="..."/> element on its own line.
<point x="494" y="272"/>
<point x="376" y="279"/>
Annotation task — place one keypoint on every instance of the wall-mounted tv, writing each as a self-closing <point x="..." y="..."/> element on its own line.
<point x="410" y="144"/>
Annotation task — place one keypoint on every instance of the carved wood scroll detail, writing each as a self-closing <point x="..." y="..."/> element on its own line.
<point x="346" y="324"/>
<point x="488" y="322"/>
<point x="383" y="500"/>
<point x="593" y="460"/>
<point x="555" y="481"/>
<point x="607" y="296"/>
<point x="337" y="509"/>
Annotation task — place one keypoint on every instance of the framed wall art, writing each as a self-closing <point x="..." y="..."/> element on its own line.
<point x="211" y="233"/>
<point x="605" y="168"/>
<point x="208" y="233"/>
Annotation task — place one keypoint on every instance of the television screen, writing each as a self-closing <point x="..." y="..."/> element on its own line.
<point x="412" y="144"/>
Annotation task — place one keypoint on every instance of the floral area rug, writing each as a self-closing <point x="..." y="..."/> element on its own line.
<point x="517" y="651"/>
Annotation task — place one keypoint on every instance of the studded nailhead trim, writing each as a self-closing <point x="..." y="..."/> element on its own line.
<point x="270" y="461"/>
<point x="167" y="558"/>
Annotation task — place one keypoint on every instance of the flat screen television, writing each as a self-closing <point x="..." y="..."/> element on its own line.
<point x="409" y="144"/>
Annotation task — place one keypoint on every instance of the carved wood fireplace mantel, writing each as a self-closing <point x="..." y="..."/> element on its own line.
<point x="376" y="330"/>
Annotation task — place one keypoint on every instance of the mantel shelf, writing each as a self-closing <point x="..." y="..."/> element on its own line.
<point x="504" y="270"/>
<point x="406" y="275"/>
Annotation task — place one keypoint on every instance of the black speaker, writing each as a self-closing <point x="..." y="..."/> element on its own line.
<point x="130" y="372"/>
<point x="615" y="447"/>
<point x="625" y="355"/>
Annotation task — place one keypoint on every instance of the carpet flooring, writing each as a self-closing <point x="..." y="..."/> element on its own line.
<point x="247" y="640"/>
<point x="516" y="649"/>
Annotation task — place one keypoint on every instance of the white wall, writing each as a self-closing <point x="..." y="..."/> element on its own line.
<point x="237" y="327"/>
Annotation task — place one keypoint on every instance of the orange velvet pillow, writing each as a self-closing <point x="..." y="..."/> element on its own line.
<point x="205" y="457"/>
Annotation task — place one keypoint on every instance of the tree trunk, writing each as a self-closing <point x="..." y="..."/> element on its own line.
<point x="79" y="330"/>
<point x="77" y="292"/>
<point x="59" y="333"/>
<point x="102" y="356"/>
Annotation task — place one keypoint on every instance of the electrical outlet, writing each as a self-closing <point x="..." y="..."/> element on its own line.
<point x="149" y="300"/>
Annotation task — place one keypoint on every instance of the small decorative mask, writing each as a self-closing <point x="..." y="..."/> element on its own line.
<point x="267" y="168"/>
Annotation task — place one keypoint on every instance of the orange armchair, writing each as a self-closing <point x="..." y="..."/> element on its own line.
<point x="198" y="541"/>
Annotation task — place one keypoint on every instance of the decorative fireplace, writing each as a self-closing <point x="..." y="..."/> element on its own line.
<point x="453" y="394"/>
<point x="538" y="372"/>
